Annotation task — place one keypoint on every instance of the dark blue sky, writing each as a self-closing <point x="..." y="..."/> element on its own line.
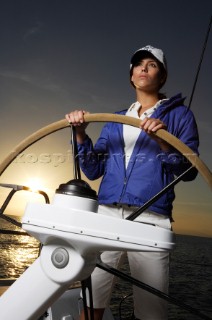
<point x="56" y="56"/>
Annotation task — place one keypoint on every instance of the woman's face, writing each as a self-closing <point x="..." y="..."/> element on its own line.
<point x="146" y="75"/>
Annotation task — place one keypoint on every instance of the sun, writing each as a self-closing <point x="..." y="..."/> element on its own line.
<point x="35" y="184"/>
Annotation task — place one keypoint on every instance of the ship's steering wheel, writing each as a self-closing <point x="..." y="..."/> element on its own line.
<point x="106" y="117"/>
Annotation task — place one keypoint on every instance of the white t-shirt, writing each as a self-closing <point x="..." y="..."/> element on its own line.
<point x="131" y="133"/>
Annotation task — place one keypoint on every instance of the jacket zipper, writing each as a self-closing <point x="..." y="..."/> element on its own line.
<point x="123" y="190"/>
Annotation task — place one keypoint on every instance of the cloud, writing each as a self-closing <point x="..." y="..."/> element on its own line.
<point x="33" y="30"/>
<point x="15" y="75"/>
<point x="38" y="82"/>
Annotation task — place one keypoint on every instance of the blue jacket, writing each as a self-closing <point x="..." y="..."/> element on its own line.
<point x="149" y="169"/>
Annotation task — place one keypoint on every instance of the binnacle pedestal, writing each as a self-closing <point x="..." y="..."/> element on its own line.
<point x="72" y="234"/>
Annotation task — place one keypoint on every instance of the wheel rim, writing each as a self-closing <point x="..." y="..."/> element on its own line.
<point x="107" y="117"/>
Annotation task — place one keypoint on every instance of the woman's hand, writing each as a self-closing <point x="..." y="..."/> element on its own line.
<point x="76" y="118"/>
<point x="150" y="126"/>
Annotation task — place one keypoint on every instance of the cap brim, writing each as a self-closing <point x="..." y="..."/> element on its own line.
<point x="140" y="55"/>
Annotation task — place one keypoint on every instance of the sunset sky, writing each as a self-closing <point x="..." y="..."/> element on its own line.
<point x="57" y="56"/>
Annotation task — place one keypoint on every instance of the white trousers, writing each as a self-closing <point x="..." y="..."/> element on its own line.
<point x="151" y="268"/>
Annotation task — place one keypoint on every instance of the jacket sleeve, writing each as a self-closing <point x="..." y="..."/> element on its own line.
<point x="92" y="159"/>
<point x="187" y="132"/>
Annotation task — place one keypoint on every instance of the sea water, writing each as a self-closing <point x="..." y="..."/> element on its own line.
<point x="190" y="272"/>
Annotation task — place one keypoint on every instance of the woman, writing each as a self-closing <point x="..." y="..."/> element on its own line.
<point x="135" y="165"/>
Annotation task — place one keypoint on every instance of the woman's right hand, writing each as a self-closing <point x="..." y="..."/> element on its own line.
<point x="76" y="118"/>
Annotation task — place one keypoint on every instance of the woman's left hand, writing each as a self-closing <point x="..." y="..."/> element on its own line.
<point x="150" y="126"/>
